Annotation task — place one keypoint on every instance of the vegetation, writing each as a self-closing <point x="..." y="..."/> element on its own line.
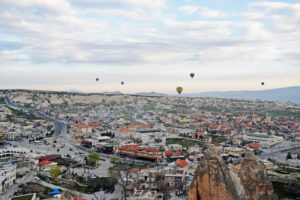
<point x="2" y="100"/>
<point x="114" y="160"/>
<point x="93" y="158"/>
<point x="65" y="162"/>
<point x="55" y="171"/>
<point x="27" y="197"/>
<point x="286" y="170"/>
<point x="284" y="113"/>
<point x="218" y="139"/>
<point x="281" y="191"/>
<point x="181" y="141"/>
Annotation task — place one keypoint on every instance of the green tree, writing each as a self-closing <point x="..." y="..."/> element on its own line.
<point x="55" y="171"/>
<point x="93" y="158"/>
<point x="114" y="160"/>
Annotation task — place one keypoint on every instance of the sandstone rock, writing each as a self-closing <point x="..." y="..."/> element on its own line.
<point x="214" y="181"/>
<point x="255" y="180"/>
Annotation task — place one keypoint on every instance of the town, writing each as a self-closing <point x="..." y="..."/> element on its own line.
<point x="101" y="146"/>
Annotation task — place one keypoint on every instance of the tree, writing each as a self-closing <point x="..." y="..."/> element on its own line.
<point x="93" y="158"/>
<point x="114" y="160"/>
<point x="289" y="156"/>
<point x="122" y="175"/>
<point x="55" y="171"/>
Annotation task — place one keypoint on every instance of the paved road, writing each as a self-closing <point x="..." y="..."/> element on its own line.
<point x="60" y="127"/>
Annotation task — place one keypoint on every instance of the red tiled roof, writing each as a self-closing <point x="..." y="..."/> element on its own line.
<point x="125" y="130"/>
<point x="77" y="198"/>
<point x="216" y="144"/>
<point x="254" y="146"/>
<point x="50" y="157"/>
<point x="95" y="124"/>
<point x="170" y="152"/>
<point x="150" y="150"/>
<point x="130" y="148"/>
<point x="81" y="125"/>
<point x="181" y="163"/>
<point x="137" y="148"/>
<point x="45" y="162"/>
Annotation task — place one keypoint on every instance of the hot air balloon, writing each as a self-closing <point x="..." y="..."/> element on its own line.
<point x="122" y="82"/>
<point x="97" y="79"/>
<point x="192" y="75"/>
<point x="262" y="83"/>
<point x="179" y="90"/>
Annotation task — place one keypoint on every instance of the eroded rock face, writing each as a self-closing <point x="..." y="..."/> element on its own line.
<point x="214" y="181"/>
<point x="255" y="180"/>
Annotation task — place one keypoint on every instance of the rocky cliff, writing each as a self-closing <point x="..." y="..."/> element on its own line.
<point x="214" y="181"/>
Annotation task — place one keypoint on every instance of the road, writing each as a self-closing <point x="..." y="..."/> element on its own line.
<point x="60" y="127"/>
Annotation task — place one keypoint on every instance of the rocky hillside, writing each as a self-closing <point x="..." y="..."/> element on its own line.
<point x="214" y="181"/>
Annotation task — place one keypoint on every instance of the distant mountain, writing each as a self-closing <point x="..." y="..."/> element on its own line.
<point x="151" y="94"/>
<point x="112" y="93"/>
<point x="75" y="91"/>
<point x="281" y="94"/>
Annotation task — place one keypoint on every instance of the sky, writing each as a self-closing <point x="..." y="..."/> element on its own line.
<point x="151" y="45"/>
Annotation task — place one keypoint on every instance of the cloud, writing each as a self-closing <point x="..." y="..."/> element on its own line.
<point x="121" y="3"/>
<point x="53" y="7"/>
<point x="115" y="32"/>
<point x="188" y="9"/>
<point x="207" y="13"/>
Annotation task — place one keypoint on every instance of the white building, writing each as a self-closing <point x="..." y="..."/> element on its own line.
<point x="7" y="176"/>
<point x="11" y="152"/>
<point x="263" y="139"/>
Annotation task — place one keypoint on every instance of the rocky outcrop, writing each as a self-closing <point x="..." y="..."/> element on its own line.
<point x="254" y="178"/>
<point x="214" y="181"/>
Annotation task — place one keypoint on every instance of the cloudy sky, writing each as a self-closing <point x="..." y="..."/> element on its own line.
<point x="152" y="45"/>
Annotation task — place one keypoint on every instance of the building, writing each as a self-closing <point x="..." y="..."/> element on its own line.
<point x="146" y="195"/>
<point x="233" y="151"/>
<point x="109" y="148"/>
<point x="172" y="155"/>
<point x="11" y="152"/>
<point x="7" y="176"/>
<point x="140" y="152"/>
<point x="11" y="135"/>
<point x="46" y="165"/>
<point x="265" y="140"/>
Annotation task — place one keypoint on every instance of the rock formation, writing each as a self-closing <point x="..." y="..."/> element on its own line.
<point x="214" y="181"/>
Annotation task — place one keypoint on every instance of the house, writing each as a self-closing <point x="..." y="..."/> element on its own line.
<point x="254" y="146"/>
<point x="7" y="176"/>
<point x="263" y="139"/>
<point x="146" y="195"/>
<point x="109" y="148"/>
<point x="140" y="152"/>
<point x="52" y="157"/>
<point x="181" y="163"/>
<point x="233" y="151"/>
<point x="172" y="155"/>
<point x="46" y="165"/>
